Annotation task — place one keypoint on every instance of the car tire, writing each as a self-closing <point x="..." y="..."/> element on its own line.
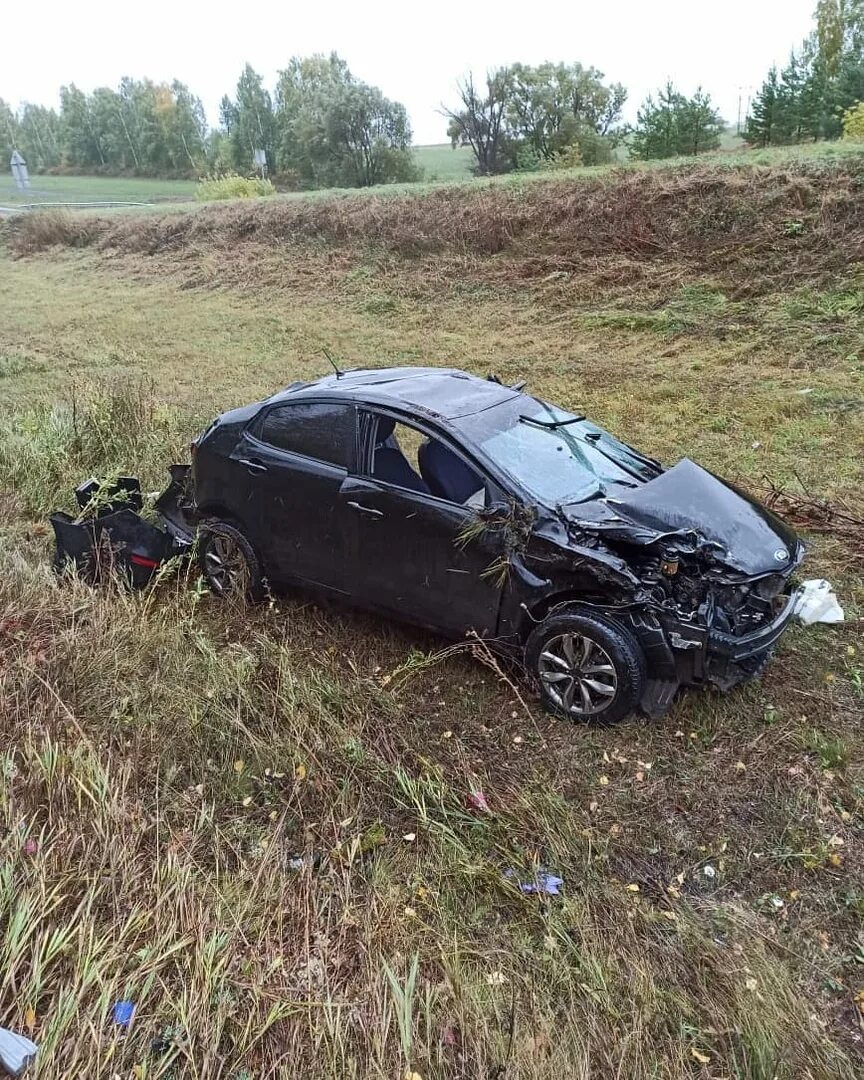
<point x="587" y="666"/>
<point x="229" y="563"/>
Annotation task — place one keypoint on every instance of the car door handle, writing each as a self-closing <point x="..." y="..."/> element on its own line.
<point x="252" y="465"/>
<point x="366" y="510"/>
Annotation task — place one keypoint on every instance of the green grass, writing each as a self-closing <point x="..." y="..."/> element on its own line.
<point x="82" y="189"/>
<point x="166" y="761"/>
<point x="444" y="162"/>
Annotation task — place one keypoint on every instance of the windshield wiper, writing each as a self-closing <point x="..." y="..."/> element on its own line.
<point x="551" y="425"/>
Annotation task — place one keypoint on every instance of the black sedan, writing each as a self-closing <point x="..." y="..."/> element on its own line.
<point x="463" y="505"/>
<point x="466" y="506"/>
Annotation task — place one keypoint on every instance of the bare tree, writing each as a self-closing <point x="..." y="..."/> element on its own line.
<point x="480" y="121"/>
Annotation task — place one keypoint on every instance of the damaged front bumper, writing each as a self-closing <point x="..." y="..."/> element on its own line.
<point x="683" y="653"/>
<point x="112" y="534"/>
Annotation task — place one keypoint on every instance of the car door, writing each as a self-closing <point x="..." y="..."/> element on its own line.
<point x="293" y="460"/>
<point x="415" y="554"/>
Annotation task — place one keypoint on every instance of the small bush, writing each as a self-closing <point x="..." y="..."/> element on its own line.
<point x="569" y="158"/>
<point x="853" y="122"/>
<point x="232" y="186"/>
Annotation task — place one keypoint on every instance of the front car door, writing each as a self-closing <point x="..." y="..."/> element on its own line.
<point x="417" y="554"/>
<point x="294" y="459"/>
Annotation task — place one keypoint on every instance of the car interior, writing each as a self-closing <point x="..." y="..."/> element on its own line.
<point x="439" y="471"/>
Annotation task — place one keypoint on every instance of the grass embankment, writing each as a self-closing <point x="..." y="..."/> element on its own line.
<point x="167" y="762"/>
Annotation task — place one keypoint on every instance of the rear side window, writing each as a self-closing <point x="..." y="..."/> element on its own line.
<point x="318" y="430"/>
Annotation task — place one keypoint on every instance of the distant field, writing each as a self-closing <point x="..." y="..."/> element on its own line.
<point x="443" y="162"/>
<point x="77" y="189"/>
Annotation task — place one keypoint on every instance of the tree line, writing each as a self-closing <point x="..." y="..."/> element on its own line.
<point x="323" y="127"/>
<point x="823" y="80"/>
<point x="560" y="115"/>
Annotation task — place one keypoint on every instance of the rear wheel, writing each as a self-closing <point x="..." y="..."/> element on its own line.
<point x="228" y="561"/>
<point x="587" y="666"/>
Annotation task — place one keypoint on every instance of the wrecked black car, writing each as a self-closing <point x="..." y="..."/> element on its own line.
<point x="463" y="505"/>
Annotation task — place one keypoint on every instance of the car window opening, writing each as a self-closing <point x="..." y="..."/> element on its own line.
<point x="408" y="458"/>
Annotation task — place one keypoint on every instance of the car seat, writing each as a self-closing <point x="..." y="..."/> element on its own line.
<point x="446" y="473"/>
<point x="389" y="463"/>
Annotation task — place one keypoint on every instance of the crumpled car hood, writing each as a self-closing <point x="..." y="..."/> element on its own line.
<point x="688" y="498"/>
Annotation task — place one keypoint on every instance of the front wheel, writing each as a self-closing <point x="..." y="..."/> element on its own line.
<point x="228" y="561"/>
<point x="588" y="666"/>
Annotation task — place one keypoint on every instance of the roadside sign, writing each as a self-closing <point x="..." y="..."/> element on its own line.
<point x="19" y="171"/>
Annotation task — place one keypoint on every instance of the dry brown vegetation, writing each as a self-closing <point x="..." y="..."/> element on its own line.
<point x="165" y="762"/>
<point x="721" y="218"/>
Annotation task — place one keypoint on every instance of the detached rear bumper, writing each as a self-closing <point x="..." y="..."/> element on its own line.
<point x="110" y="533"/>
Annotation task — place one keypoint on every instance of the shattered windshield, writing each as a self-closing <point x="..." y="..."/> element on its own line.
<point x="558" y="457"/>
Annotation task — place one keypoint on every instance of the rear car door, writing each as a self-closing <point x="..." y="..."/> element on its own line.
<point x="292" y="461"/>
<point x="417" y="554"/>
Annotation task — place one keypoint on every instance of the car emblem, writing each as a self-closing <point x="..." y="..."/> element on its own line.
<point x="781" y="554"/>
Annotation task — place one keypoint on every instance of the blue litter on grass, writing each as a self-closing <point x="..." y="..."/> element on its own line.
<point x="123" y="1011"/>
<point x="543" y="882"/>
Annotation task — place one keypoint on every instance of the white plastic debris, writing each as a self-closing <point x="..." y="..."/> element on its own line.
<point x="16" y="1052"/>
<point x="817" y="602"/>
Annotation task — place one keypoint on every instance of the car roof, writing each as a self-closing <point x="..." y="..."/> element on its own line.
<point x="441" y="393"/>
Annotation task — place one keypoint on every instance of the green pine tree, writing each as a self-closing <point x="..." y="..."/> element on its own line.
<point x="761" y="129"/>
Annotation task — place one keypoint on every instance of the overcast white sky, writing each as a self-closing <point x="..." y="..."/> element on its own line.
<point x="414" y="52"/>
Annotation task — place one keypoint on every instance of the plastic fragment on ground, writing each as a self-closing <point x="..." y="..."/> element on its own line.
<point x="817" y="603"/>
<point x="544" y="883"/>
<point x="123" y="1011"/>
<point x="16" y="1052"/>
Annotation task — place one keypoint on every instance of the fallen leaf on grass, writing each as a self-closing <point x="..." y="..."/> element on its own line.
<point x="409" y="836"/>
<point x="30" y="1018"/>
<point x="604" y="780"/>
<point x="411" y="1075"/>
<point x="632" y="888"/>
<point x="703" y="1059"/>
<point x="239" y="765"/>
<point x="300" y="772"/>
<point x="496" y="978"/>
<point x="751" y="984"/>
<point x="476" y="800"/>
